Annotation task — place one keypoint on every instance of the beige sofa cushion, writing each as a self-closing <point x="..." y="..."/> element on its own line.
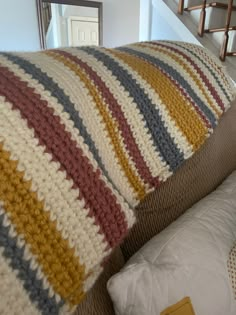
<point x="194" y="180"/>
<point x="188" y="259"/>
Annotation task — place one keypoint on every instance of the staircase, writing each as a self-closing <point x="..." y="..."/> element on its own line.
<point x="166" y="22"/>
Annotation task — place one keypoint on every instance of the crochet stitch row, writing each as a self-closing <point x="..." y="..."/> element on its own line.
<point x="85" y="134"/>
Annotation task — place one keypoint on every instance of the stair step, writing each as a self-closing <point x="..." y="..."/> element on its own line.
<point x="214" y="19"/>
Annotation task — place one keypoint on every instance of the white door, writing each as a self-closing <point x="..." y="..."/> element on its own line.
<point x="84" y="32"/>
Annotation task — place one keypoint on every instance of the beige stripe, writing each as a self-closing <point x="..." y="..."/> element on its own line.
<point x="172" y="128"/>
<point x="132" y="115"/>
<point x="52" y="187"/>
<point x="184" y="69"/>
<point x="65" y="273"/>
<point x="206" y="72"/>
<point x="52" y="101"/>
<point x="180" y="110"/>
<point x="228" y="82"/>
<point x="14" y="299"/>
<point x="73" y="86"/>
<point x="67" y="310"/>
<point x="110" y="125"/>
<point x="69" y="125"/>
<point x="213" y="62"/>
<point x="189" y="72"/>
<point x="90" y="281"/>
<point x="28" y="256"/>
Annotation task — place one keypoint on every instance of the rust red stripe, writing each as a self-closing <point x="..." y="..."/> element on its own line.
<point x="51" y="133"/>
<point x="117" y="113"/>
<point x="185" y="94"/>
<point x="199" y="71"/>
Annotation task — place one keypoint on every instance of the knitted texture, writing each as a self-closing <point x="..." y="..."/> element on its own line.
<point x="85" y="134"/>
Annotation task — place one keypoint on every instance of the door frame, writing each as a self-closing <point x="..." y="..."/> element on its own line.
<point x="82" y="3"/>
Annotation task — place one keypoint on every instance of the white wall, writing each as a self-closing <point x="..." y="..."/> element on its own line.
<point x="145" y="21"/>
<point x="166" y="25"/>
<point x="18" y="25"/>
<point x="120" y="22"/>
<point x="160" y="27"/>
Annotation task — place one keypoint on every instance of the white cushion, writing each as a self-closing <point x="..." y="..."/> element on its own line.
<point x="189" y="258"/>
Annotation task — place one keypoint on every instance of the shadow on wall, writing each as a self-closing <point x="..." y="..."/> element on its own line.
<point x="162" y="33"/>
<point x="166" y="25"/>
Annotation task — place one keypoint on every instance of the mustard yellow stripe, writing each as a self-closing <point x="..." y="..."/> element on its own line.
<point x="188" y="70"/>
<point x="110" y="124"/>
<point x="169" y="94"/>
<point x="26" y="212"/>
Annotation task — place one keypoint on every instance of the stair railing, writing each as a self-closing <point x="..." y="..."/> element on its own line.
<point x="201" y="25"/>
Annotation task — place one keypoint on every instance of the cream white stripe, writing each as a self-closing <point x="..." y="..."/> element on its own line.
<point x="185" y="74"/>
<point x="67" y="310"/>
<point x="214" y="62"/>
<point x="132" y="114"/>
<point x="90" y="281"/>
<point x="214" y="68"/>
<point x="28" y="256"/>
<point x="69" y="126"/>
<point x="227" y="81"/>
<point x="51" y="185"/>
<point x="14" y="299"/>
<point x="206" y="72"/>
<point x="180" y="140"/>
<point x="84" y="103"/>
<point x="121" y="142"/>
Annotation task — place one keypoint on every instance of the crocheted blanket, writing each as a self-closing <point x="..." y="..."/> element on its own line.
<point x="85" y="134"/>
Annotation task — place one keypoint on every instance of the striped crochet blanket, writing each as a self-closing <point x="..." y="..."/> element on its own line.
<point x="85" y="134"/>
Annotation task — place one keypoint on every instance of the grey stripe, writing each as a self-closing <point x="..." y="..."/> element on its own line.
<point x="161" y="138"/>
<point x="204" y="63"/>
<point x="64" y="100"/>
<point x="32" y="285"/>
<point x="176" y="76"/>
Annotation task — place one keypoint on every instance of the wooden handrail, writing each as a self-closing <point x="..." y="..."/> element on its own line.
<point x="223" y="51"/>
<point x="231" y="53"/>
<point x="201" y="26"/>
<point x="219" y="29"/>
<point x="181" y="7"/>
